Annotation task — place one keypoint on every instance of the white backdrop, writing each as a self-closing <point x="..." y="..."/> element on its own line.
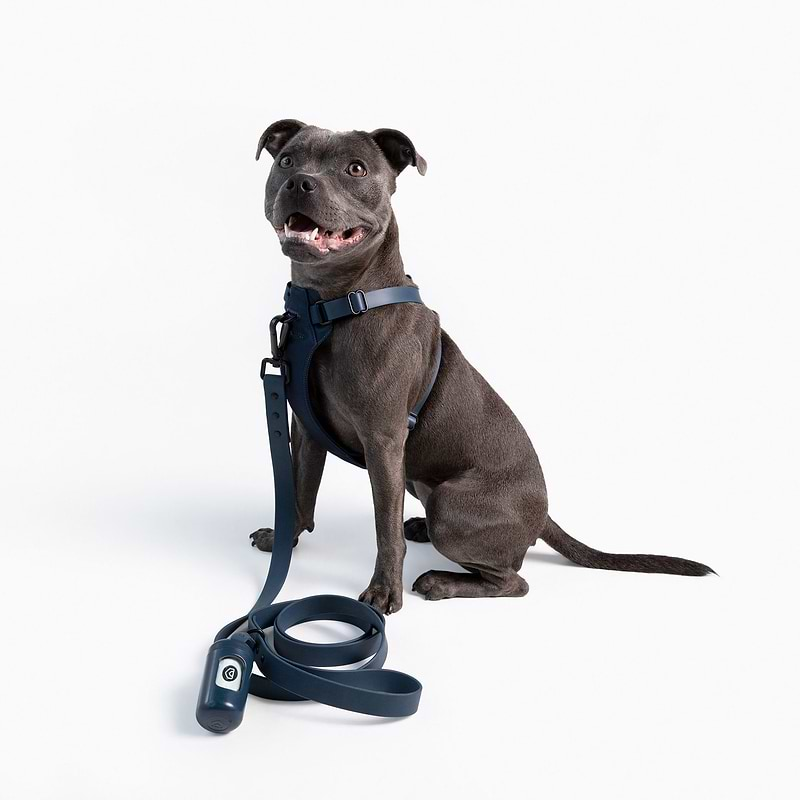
<point x="612" y="202"/>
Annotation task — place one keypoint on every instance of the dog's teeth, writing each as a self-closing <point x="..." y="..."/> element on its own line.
<point x="314" y="233"/>
<point x="286" y="229"/>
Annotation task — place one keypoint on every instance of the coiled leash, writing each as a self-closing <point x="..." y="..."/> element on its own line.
<point x="294" y="669"/>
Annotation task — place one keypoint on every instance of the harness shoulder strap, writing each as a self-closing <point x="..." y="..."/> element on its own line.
<point x="414" y="413"/>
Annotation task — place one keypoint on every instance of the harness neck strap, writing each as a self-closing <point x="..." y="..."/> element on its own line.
<point x="358" y="302"/>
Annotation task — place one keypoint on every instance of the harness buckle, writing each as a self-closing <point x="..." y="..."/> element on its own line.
<point x="363" y="306"/>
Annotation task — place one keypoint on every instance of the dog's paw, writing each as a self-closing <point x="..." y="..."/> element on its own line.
<point x="432" y="586"/>
<point x="416" y="529"/>
<point x="382" y="597"/>
<point x="264" y="539"/>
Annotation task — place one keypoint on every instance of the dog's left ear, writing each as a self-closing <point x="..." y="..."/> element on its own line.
<point x="399" y="150"/>
<point x="276" y="136"/>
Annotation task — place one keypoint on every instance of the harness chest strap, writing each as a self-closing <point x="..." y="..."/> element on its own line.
<point x="307" y="325"/>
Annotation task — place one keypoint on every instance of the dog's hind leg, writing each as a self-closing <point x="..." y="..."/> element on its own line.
<point x="439" y="584"/>
<point x="483" y="531"/>
<point x="415" y="529"/>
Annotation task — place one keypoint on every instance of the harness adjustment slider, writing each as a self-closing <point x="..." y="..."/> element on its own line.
<point x="358" y="302"/>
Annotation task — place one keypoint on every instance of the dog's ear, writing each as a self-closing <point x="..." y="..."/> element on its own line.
<point x="399" y="150"/>
<point x="276" y="136"/>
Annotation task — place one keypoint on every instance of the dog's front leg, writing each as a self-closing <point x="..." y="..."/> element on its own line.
<point x="385" y="464"/>
<point x="308" y="458"/>
<point x="308" y="461"/>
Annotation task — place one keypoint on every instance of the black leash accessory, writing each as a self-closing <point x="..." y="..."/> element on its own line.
<point x="293" y="669"/>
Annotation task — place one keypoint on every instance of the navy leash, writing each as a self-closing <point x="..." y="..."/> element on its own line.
<point x="293" y="669"/>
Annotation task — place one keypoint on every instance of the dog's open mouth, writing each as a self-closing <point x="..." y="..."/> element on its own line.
<point x="302" y="229"/>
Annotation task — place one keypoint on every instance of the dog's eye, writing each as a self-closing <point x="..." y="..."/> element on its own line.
<point x="286" y="161"/>
<point x="357" y="169"/>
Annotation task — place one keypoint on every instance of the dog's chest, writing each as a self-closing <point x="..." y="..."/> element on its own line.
<point x="354" y="379"/>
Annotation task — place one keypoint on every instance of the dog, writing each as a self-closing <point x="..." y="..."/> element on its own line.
<point x="469" y="460"/>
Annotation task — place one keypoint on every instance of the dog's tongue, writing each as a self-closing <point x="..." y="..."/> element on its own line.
<point x="300" y="223"/>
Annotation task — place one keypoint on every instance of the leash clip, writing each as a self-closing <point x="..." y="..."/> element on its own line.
<point x="277" y="343"/>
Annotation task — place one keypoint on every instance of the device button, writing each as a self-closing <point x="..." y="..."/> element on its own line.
<point x="229" y="674"/>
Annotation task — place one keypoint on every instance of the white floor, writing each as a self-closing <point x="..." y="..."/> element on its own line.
<point x="633" y="684"/>
<point x="608" y="230"/>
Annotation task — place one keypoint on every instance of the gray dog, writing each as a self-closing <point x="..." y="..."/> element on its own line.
<point x="469" y="461"/>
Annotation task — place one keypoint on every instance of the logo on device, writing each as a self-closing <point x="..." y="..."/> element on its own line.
<point x="230" y="673"/>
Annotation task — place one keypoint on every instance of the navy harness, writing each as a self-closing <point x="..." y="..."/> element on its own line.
<point x="294" y="669"/>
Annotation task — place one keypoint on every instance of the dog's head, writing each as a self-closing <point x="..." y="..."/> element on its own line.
<point x="329" y="194"/>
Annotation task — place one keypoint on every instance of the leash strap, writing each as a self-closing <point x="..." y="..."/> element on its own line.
<point x="291" y="665"/>
<point x="295" y="669"/>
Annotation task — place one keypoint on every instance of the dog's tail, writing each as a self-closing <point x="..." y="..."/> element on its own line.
<point x="586" y="556"/>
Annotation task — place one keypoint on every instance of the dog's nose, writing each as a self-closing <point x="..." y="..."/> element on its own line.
<point x="305" y="182"/>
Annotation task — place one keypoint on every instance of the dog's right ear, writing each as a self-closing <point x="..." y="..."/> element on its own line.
<point x="276" y="136"/>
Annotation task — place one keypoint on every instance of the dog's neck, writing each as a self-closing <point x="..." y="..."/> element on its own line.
<point x="378" y="267"/>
